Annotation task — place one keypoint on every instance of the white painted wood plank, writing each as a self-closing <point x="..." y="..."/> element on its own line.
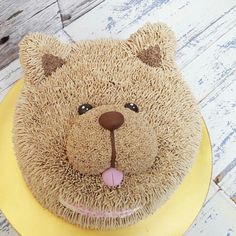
<point x="211" y="68"/>
<point x="212" y="191"/>
<point x="63" y="36"/>
<point x="5" y="228"/>
<point x="219" y="112"/>
<point x="120" y="18"/>
<point x="217" y="218"/>
<point x="71" y="10"/>
<point x="8" y="76"/>
<point x="203" y="41"/>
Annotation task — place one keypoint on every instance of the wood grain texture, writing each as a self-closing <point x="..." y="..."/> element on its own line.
<point x="218" y="179"/>
<point x="71" y="10"/>
<point x="9" y="76"/>
<point x="213" y="189"/>
<point x="213" y="66"/>
<point x="63" y="36"/>
<point x="219" y="112"/>
<point x="19" y="17"/>
<point x="220" y="115"/>
<point x="5" y="228"/>
<point x="120" y="18"/>
<point x="217" y="218"/>
<point x="201" y="42"/>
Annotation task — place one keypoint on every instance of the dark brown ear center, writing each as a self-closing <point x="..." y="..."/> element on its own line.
<point x="50" y="63"/>
<point x="151" y="56"/>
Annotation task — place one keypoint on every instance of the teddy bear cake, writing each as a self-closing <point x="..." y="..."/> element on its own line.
<point x="104" y="130"/>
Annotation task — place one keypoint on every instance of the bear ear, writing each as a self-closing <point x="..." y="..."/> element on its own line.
<point x="41" y="55"/>
<point x="154" y="45"/>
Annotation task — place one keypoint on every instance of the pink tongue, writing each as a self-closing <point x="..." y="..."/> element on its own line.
<point x="112" y="177"/>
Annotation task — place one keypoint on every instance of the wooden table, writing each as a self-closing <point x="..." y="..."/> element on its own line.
<point x="206" y="54"/>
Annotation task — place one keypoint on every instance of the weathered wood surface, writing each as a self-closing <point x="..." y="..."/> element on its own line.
<point x="8" y="76"/>
<point x="213" y="66"/>
<point x="72" y="9"/>
<point x="18" y="17"/>
<point x="219" y="112"/>
<point x="202" y="41"/>
<point x="5" y="228"/>
<point x="63" y="36"/>
<point x="120" y="18"/>
<point x="217" y="218"/>
<point x="213" y="189"/>
<point x="220" y="115"/>
<point x="206" y="54"/>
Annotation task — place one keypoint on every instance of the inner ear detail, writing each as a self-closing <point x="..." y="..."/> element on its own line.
<point x="51" y="63"/>
<point x="151" y="56"/>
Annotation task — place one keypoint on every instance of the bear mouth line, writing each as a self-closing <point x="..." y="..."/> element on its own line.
<point x="81" y="209"/>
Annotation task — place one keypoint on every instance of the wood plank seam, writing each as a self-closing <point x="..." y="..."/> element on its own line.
<point x="223" y="173"/>
<point x="232" y="198"/>
<point x="41" y="10"/>
<point x="72" y="10"/>
<point x="72" y="40"/>
<point x="60" y="14"/>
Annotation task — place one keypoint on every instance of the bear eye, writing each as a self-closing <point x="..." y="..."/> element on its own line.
<point x="84" y="108"/>
<point x="132" y="107"/>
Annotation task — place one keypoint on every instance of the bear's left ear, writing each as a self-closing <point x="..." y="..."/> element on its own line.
<point x="41" y="55"/>
<point x="154" y="45"/>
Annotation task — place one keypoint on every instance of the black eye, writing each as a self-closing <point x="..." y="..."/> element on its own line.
<point x="84" y="108"/>
<point x="132" y="107"/>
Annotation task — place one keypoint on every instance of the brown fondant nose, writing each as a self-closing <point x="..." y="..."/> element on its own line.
<point x="111" y="120"/>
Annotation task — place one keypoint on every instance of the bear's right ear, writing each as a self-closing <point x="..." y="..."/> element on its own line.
<point x="41" y="55"/>
<point x="154" y="45"/>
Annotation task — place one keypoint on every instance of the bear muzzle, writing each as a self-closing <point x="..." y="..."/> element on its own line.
<point x="111" y="143"/>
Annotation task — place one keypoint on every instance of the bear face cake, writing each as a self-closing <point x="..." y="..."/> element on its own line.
<point x="104" y="130"/>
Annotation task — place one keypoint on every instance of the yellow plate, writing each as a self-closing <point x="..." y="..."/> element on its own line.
<point x="30" y="219"/>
